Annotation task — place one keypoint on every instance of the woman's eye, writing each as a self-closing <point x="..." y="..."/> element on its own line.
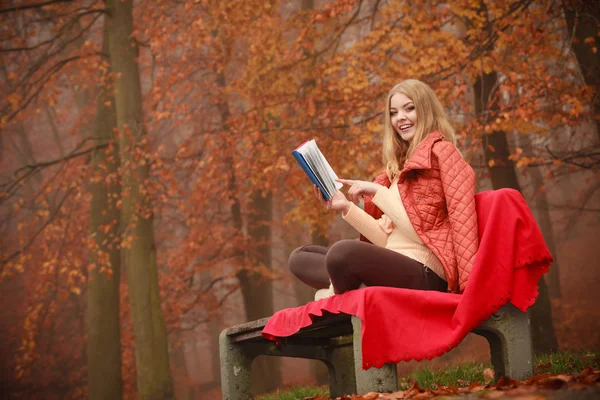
<point x="392" y="113"/>
<point x="410" y="109"/>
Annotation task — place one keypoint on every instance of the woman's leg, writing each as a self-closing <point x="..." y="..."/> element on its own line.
<point x="352" y="262"/>
<point x="307" y="263"/>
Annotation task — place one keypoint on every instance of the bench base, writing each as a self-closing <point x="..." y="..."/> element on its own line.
<point x="335" y="340"/>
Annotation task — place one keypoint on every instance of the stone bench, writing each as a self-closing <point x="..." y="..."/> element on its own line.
<point x="335" y="340"/>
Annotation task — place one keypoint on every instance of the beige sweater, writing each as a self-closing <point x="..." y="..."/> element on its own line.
<point x="393" y="230"/>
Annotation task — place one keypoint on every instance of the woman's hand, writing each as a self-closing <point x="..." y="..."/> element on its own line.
<point x="360" y="188"/>
<point x="337" y="202"/>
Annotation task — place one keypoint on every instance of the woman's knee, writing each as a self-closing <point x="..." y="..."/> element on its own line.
<point x="295" y="260"/>
<point x="339" y="256"/>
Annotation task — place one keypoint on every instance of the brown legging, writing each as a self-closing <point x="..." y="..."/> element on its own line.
<point x="348" y="263"/>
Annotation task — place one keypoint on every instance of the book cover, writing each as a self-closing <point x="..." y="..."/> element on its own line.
<point x="316" y="167"/>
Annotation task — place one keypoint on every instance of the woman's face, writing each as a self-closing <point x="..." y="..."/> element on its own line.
<point x="403" y="115"/>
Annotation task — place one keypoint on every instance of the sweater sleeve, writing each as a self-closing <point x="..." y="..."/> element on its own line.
<point x="368" y="226"/>
<point x="384" y="199"/>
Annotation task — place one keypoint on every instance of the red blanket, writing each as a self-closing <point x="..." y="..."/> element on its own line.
<point x="402" y="324"/>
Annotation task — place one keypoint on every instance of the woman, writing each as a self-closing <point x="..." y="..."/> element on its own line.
<point x="419" y="226"/>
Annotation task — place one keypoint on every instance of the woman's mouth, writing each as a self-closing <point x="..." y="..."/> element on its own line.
<point x="405" y="127"/>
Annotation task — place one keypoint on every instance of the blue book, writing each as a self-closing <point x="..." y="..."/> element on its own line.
<point x="315" y="166"/>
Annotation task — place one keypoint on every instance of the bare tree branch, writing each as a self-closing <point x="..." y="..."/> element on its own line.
<point x="582" y="154"/>
<point x="32" y="6"/>
<point x="60" y="32"/>
<point x="7" y="189"/>
<point x="36" y="91"/>
<point x="34" y="236"/>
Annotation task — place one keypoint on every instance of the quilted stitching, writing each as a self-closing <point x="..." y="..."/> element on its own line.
<point x="450" y="232"/>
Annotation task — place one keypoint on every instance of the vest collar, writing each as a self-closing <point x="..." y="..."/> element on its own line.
<point x="421" y="158"/>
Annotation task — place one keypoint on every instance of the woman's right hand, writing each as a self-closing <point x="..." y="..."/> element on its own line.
<point x="337" y="202"/>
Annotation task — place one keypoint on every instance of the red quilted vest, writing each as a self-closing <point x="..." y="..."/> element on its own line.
<point x="437" y="187"/>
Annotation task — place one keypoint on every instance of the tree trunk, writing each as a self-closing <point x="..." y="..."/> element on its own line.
<point x="214" y="330"/>
<point x="257" y="289"/>
<point x="257" y="292"/>
<point x="582" y="18"/>
<point x="503" y="175"/>
<point x="103" y="314"/>
<point x="154" y="379"/>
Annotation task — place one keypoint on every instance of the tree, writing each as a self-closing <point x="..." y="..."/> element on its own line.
<point x="503" y="175"/>
<point x="103" y="316"/>
<point x="151" y="349"/>
<point x="582" y="19"/>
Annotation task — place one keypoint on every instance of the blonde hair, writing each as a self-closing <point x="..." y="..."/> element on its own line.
<point x="430" y="117"/>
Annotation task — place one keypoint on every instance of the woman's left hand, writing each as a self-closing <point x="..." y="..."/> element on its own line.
<point x="360" y="188"/>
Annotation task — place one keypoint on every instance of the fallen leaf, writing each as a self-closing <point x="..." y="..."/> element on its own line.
<point x="591" y="379"/>
<point x="370" y="396"/>
<point x="552" y="383"/>
<point x="505" y="382"/>
<point x="585" y="372"/>
<point x="424" y="395"/>
<point x="564" y="377"/>
<point x="394" y="396"/>
<point x="476" y="387"/>
<point x="413" y="391"/>
<point x="536" y="378"/>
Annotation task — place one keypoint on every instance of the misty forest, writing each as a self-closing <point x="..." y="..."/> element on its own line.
<point x="149" y="199"/>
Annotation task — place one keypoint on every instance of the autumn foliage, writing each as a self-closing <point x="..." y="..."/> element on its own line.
<point x="228" y="90"/>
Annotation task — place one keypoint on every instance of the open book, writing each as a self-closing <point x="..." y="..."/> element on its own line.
<point x="317" y="168"/>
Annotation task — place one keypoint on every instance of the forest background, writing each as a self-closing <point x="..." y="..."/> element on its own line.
<point x="148" y="197"/>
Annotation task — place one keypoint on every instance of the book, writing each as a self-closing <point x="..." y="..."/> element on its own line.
<point x="316" y="167"/>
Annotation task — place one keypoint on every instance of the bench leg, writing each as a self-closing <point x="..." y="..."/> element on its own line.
<point x="509" y="334"/>
<point x="236" y="370"/>
<point x="384" y="379"/>
<point x="340" y="363"/>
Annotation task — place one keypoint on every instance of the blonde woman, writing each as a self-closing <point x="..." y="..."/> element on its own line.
<point x="419" y="224"/>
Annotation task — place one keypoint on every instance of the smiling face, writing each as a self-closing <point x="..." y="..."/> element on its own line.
<point x="403" y="116"/>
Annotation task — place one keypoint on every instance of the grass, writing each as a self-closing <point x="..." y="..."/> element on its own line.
<point x="463" y="374"/>
<point x="458" y="375"/>
<point x="567" y="361"/>
<point x="299" y="392"/>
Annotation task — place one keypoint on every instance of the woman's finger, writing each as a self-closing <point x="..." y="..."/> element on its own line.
<point x="348" y="182"/>
<point x="317" y="193"/>
<point x="355" y="192"/>
<point x="352" y="194"/>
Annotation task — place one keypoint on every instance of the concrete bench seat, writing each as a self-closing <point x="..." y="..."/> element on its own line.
<point x="335" y="339"/>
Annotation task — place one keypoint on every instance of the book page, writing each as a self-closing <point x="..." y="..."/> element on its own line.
<point x="313" y="160"/>
<point x="335" y="186"/>
<point x="314" y="168"/>
<point x="321" y="168"/>
<point x="320" y="161"/>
